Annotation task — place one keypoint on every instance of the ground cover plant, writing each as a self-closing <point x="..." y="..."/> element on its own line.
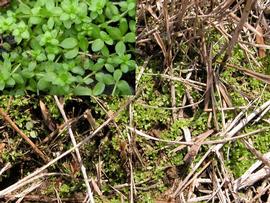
<point x="67" y="47"/>
<point x="194" y="131"/>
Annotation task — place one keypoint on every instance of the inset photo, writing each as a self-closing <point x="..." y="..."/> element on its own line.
<point x="69" y="47"/>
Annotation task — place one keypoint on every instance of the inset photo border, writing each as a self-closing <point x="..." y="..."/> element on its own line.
<point x="76" y="47"/>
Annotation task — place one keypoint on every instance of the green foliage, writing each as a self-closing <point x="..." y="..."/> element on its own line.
<point x="63" y="45"/>
<point x="65" y="189"/>
<point x="239" y="157"/>
<point x="23" y="118"/>
<point x="146" y="117"/>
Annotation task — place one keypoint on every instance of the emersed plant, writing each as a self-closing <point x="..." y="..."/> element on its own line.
<point x="68" y="47"/>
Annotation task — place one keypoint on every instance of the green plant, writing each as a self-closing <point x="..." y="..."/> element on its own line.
<point x="68" y="47"/>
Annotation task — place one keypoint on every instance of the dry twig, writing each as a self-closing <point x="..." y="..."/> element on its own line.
<point x="5" y="116"/>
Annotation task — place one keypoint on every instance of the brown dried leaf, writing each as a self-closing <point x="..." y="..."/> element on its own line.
<point x="4" y="3"/>
<point x="160" y="43"/>
<point x="195" y="148"/>
<point x="74" y="167"/>
<point x="47" y="116"/>
<point x="2" y="146"/>
<point x="96" y="188"/>
<point x="150" y="10"/>
<point x="90" y="119"/>
<point x="260" y="40"/>
<point x="225" y="94"/>
<point x="258" y="76"/>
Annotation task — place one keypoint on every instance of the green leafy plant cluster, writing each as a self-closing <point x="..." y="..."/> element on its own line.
<point x="239" y="158"/>
<point x="67" y="47"/>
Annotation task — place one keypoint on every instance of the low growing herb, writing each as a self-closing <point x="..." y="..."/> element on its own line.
<point x="67" y="47"/>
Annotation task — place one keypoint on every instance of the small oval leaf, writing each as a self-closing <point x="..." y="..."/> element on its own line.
<point x="99" y="88"/>
<point x="120" y="48"/>
<point x="97" y="45"/>
<point x="69" y="43"/>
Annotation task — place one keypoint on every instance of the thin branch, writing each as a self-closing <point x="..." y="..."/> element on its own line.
<point x="83" y="169"/>
<point x="6" y="117"/>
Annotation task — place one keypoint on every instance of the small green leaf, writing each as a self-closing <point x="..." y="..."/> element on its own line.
<point x="114" y="33"/>
<point x="116" y="59"/>
<point x="124" y="68"/>
<point x="108" y="79"/>
<point x="116" y="18"/>
<point x="64" y="188"/>
<point x="82" y="91"/>
<point x="109" y="67"/>
<point x="130" y="37"/>
<point x="43" y="84"/>
<point x="97" y="67"/>
<point x="35" y="20"/>
<point x="67" y="24"/>
<point x="24" y="9"/>
<point x="83" y="43"/>
<point x="132" y="11"/>
<point x="11" y="82"/>
<point x="131" y="6"/>
<point x="97" y="45"/>
<point x="105" y="51"/>
<point x="123" y="5"/>
<point x="99" y="76"/>
<point x="93" y="15"/>
<point x="51" y="57"/>
<point x="123" y="26"/>
<point x="72" y="53"/>
<point x="117" y="74"/>
<point x="5" y="73"/>
<point x="95" y="31"/>
<point x="69" y="43"/>
<point x="50" y="4"/>
<point x="124" y="87"/>
<point x="29" y="125"/>
<point x="41" y="57"/>
<point x="105" y="78"/>
<point x="88" y="81"/>
<point x="34" y="44"/>
<point x="32" y="85"/>
<point x="111" y="10"/>
<point x="120" y="48"/>
<point x="78" y="70"/>
<point x="50" y="23"/>
<point x="99" y="88"/>
<point x="83" y="9"/>
<point x="132" y="26"/>
<point x="64" y="17"/>
<point x="18" y="78"/>
<point x="106" y="38"/>
<point x="33" y="134"/>
<point x="25" y="34"/>
<point x="2" y="85"/>
<point x="131" y="64"/>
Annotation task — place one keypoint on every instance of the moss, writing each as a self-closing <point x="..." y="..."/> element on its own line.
<point x="145" y="116"/>
<point x="239" y="158"/>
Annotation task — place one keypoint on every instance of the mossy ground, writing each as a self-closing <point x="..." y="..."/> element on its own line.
<point x="113" y="149"/>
